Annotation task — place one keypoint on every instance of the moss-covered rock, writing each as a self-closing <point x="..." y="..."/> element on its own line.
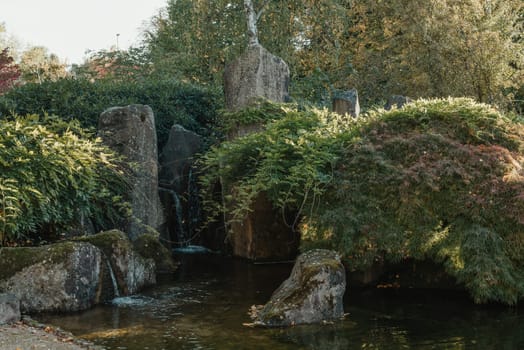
<point x="149" y="247"/>
<point x="131" y="270"/>
<point x="312" y="294"/>
<point x="59" y="277"/>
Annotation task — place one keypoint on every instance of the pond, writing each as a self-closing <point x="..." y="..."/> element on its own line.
<point x="205" y="304"/>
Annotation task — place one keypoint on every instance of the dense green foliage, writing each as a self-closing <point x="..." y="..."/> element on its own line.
<point x="171" y="101"/>
<point x="439" y="180"/>
<point x="53" y="178"/>
<point x="407" y="47"/>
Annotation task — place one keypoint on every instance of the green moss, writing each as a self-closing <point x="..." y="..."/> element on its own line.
<point x="107" y="241"/>
<point x="148" y="246"/>
<point x="13" y="260"/>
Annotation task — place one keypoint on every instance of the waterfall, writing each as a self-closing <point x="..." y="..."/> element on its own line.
<point x="113" y="279"/>
<point x="182" y="238"/>
<point x="194" y="210"/>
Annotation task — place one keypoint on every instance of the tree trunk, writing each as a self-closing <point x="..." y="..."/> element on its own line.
<point x="252" y="18"/>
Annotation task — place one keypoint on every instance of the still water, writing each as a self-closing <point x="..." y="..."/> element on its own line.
<point x="204" y="306"/>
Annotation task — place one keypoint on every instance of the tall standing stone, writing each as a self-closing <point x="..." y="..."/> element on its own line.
<point x="346" y="102"/>
<point x="130" y="131"/>
<point x="258" y="74"/>
<point x="255" y="74"/>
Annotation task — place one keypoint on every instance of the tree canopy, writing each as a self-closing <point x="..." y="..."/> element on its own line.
<point x="422" y="49"/>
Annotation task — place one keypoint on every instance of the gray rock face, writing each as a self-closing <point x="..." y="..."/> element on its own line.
<point x="255" y="74"/>
<point x="76" y="275"/>
<point x="131" y="271"/>
<point x="313" y="293"/>
<point x="61" y="277"/>
<point x="177" y="157"/>
<point x="9" y="309"/>
<point x="347" y="102"/>
<point x="131" y="132"/>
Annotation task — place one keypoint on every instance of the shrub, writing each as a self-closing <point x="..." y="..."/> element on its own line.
<point x="440" y="180"/>
<point x="172" y="102"/>
<point x="52" y="177"/>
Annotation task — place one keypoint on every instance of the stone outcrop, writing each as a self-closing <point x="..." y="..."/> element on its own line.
<point x="9" y="309"/>
<point x="149" y="247"/>
<point x="74" y="275"/>
<point x="346" y="102"/>
<point x="178" y="190"/>
<point x="131" y="271"/>
<point x="262" y="234"/>
<point x="312" y="294"/>
<point x="60" y="277"/>
<point x="396" y="101"/>
<point x="130" y="131"/>
<point x="177" y="158"/>
<point x="254" y="75"/>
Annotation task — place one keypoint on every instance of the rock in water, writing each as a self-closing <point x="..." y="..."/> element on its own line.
<point x="9" y="309"/>
<point x="312" y="294"/>
<point x="63" y="277"/>
<point x="130" y="131"/>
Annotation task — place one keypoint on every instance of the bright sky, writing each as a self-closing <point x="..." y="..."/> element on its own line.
<point x="70" y="27"/>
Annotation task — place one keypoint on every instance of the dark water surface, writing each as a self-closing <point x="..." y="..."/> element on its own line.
<point x="204" y="305"/>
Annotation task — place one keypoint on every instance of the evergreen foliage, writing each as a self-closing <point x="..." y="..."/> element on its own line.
<point x="53" y="177"/>
<point x="437" y="179"/>
<point x="172" y="102"/>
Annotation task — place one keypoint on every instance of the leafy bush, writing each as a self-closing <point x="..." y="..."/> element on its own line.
<point x="172" y="102"/>
<point x="291" y="161"/>
<point x="440" y="180"/>
<point x="52" y="177"/>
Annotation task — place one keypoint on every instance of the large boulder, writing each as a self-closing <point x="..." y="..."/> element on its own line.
<point x="312" y="294"/>
<point x="74" y="275"/>
<point x="9" y="309"/>
<point x="130" y="131"/>
<point x="130" y="270"/>
<point x="263" y="235"/>
<point x="256" y="74"/>
<point x="60" y="277"/>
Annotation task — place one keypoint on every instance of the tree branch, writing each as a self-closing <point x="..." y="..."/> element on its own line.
<point x="262" y="9"/>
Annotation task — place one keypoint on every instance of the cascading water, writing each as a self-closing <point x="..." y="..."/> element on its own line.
<point x="116" y="292"/>
<point x="182" y="238"/>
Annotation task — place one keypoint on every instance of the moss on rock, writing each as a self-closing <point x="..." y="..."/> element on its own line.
<point x="148" y="246"/>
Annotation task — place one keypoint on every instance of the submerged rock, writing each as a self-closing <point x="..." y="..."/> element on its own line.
<point x="312" y="294"/>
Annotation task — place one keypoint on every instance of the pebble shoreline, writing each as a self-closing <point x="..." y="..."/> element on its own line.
<point x="30" y="335"/>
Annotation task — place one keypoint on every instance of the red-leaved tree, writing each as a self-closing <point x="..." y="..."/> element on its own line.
<point x="9" y="71"/>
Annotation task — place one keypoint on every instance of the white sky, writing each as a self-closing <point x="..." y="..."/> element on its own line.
<point x="70" y="27"/>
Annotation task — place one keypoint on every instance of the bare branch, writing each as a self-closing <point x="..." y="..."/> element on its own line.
<point x="262" y="9"/>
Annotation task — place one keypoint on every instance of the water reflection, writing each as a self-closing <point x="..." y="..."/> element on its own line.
<point x="204" y="305"/>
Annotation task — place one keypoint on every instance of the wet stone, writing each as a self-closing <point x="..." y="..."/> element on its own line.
<point x="9" y="309"/>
